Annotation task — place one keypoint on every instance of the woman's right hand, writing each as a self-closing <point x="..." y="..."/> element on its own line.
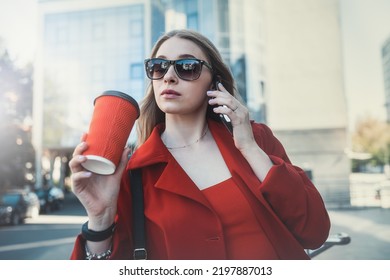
<point x="97" y="193"/>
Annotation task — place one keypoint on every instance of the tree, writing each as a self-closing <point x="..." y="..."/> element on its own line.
<point x="17" y="153"/>
<point x="372" y="136"/>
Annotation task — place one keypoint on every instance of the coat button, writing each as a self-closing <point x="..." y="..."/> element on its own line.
<point x="214" y="238"/>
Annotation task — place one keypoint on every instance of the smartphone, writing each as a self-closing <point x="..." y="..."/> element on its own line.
<point x="227" y="122"/>
<point x="224" y="118"/>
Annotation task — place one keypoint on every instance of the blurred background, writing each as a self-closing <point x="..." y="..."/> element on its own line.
<point x="316" y="71"/>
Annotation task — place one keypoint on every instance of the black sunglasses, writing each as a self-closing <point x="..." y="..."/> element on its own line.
<point x="187" y="69"/>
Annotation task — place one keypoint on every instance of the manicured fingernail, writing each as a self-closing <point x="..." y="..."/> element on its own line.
<point x="209" y="92"/>
<point x="87" y="174"/>
<point x="82" y="158"/>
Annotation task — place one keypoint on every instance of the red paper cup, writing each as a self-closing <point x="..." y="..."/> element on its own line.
<point x="113" y="118"/>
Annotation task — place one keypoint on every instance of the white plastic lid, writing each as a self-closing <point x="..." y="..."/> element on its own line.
<point x="99" y="165"/>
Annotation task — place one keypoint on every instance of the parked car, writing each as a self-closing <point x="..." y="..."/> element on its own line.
<point x="50" y="199"/>
<point x="17" y="205"/>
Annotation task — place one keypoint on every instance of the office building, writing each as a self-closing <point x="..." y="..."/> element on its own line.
<point x="86" y="47"/>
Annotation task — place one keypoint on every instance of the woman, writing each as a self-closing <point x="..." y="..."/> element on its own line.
<point x="209" y="193"/>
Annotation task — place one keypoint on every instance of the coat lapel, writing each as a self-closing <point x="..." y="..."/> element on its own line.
<point x="234" y="160"/>
<point x="180" y="183"/>
<point x="153" y="151"/>
<point x="173" y="177"/>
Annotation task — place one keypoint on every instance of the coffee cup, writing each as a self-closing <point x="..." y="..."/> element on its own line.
<point x="113" y="118"/>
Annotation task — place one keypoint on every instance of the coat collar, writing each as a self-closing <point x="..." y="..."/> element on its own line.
<point x="154" y="152"/>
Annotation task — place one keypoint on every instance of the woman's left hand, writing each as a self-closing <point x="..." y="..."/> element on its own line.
<point x="238" y="114"/>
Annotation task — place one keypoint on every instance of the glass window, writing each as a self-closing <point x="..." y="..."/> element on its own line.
<point x="136" y="71"/>
<point x="62" y="34"/>
<point x="192" y="21"/>
<point x="136" y="28"/>
<point x="98" y="31"/>
<point x="223" y="15"/>
<point x="191" y="5"/>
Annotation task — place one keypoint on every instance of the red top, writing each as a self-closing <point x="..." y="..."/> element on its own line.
<point x="244" y="237"/>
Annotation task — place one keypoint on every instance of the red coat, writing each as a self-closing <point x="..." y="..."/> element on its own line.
<point x="180" y="223"/>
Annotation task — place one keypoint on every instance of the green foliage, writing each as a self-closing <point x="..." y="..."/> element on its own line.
<point x="17" y="157"/>
<point x="372" y="136"/>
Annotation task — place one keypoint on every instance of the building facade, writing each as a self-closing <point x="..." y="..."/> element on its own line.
<point x="386" y="75"/>
<point x="306" y="100"/>
<point x="86" y="47"/>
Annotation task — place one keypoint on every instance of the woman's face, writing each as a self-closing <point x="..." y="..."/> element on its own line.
<point x="174" y="95"/>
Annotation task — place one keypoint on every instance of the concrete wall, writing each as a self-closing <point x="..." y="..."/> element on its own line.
<point x="305" y="90"/>
<point x="321" y="152"/>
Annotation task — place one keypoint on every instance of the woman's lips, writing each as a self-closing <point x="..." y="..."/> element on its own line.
<point x="169" y="93"/>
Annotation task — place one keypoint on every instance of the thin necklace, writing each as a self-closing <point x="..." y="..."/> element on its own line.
<point x="185" y="146"/>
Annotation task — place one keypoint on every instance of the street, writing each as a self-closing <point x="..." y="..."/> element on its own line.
<point x="51" y="237"/>
<point x="47" y="237"/>
<point x="369" y="229"/>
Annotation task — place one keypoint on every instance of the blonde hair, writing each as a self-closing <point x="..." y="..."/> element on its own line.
<point x="150" y="114"/>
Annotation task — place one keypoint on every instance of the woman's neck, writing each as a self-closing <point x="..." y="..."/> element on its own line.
<point x="181" y="132"/>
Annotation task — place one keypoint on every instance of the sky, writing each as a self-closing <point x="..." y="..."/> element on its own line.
<point x="365" y="25"/>
<point x="18" y="28"/>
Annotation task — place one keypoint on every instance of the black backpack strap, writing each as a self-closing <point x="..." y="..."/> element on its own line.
<point x="138" y="215"/>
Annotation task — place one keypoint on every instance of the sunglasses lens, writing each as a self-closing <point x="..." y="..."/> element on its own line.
<point x="156" y="68"/>
<point x="188" y="69"/>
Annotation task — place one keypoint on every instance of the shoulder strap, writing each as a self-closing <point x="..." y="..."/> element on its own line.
<point x="138" y="215"/>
